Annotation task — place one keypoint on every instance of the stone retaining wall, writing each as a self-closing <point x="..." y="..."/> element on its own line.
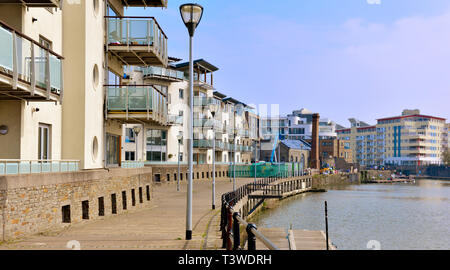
<point x="34" y="203"/>
<point x="323" y="181"/>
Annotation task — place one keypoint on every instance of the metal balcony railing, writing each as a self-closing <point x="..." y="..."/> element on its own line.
<point x="137" y="31"/>
<point x="20" y="166"/>
<point x="27" y="61"/>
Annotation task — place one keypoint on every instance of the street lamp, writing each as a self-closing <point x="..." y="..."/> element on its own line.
<point x="136" y="131"/>
<point x="191" y="15"/>
<point x="213" y="108"/>
<point x="179" y="138"/>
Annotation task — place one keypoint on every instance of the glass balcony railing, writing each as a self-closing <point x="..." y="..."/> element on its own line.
<point x="202" y="143"/>
<point x="175" y="119"/>
<point x="161" y="72"/>
<point x="135" y="99"/>
<point x="203" y="101"/>
<point x="25" y="60"/>
<point x="18" y="166"/>
<point x="208" y="123"/>
<point x="137" y="31"/>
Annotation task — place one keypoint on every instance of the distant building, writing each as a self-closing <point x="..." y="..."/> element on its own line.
<point x="295" y="151"/>
<point x="409" y="139"/>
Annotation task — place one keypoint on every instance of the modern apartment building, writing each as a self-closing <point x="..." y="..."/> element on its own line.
<point x="231" y="132"/>
<point x="408" y="139"/>
<point x="413" y="138"/>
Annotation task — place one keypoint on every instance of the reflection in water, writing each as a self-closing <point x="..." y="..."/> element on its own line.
<point x="399" y="216"/>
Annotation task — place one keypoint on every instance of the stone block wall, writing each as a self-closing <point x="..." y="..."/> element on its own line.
<point x="322" y="181"/>
<point x="34" y="203"/>
<point x="169" y="173"/>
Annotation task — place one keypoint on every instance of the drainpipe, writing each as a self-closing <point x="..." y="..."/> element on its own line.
<point x="104" y="93"/>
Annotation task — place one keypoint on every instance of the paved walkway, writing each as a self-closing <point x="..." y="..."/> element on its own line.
<point x="161" y="225"/>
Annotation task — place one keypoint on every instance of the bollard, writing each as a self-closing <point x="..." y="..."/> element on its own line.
<point x="251" y="238"/>
<point x="236" y="233"/>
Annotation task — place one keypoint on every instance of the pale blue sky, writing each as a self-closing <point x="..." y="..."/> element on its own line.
<point x="340" y="58"/>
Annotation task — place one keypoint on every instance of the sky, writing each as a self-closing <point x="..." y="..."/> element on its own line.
<point x="364" y="59"/>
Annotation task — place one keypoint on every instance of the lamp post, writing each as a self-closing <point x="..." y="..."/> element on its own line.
<point x="136" y="131"/>
<point x="179" y="138"/>
<point x="213" y="109"/>
<point x="191" y="15"/>
<point x="234" y="157"/>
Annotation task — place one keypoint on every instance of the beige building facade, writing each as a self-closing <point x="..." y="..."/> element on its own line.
<point x="411" y="139"/>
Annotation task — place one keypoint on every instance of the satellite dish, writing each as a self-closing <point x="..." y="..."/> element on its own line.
<point x="3" y="130"/>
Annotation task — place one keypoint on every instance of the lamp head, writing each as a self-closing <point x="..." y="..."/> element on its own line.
<point x="191" y="15"/>
<point x="213" y="108"/>
<point x="136" y="130"/>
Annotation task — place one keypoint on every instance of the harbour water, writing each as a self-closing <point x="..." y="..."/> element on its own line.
<point x="398" y="216"/>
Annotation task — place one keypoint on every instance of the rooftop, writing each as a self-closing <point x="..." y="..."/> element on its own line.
<point x="199" y="64"/>
<point x="297" y="144"/>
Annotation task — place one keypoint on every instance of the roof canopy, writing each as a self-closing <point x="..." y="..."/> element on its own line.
<point x="200" y="64"/>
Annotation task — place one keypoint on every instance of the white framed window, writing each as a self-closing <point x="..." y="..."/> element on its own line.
<point x="44" y="142"/>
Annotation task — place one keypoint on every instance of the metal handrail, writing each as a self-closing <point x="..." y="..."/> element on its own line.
<point x="255" y="231"/>
<point x="138" y="17"/>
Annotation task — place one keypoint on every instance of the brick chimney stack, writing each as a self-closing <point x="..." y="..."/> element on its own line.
<point x="314" y="158"/>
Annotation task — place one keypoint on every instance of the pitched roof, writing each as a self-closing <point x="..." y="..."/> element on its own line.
<point x="297" y="144"/>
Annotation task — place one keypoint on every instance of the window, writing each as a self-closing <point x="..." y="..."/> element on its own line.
<point x="181" y="93"/>
<point x="45" y="42"/>
<point x="130" y="136"/>
<point x="44" y="142"/>
<point x="129" y="155"/>
<point x="156" y="145"/>
<point x="112" y="149"/>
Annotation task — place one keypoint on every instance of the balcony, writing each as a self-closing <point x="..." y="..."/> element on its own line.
<point x="28" y="71"/>
<point x="203" y="101"/>
<point x="203" y="73"/>
<point x="175" y="120"/>
<point x="137" y="41"/>
<point x="161" y="73"/>
<point x="35" y="3"/>
<point x="206" y="144"/>
<point x="134" y="104"/>
<point x="145" y="3"/>
<point x="208" y="123"/>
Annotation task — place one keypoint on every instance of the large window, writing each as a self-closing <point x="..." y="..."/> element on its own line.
<point x="112" y="149"/>
<point x="156" y="145"/>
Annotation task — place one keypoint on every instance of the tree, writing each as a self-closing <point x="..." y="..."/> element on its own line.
<point x="446" y="156"/>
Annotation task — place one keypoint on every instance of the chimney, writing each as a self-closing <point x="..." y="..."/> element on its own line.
<point x="314" y="158"/>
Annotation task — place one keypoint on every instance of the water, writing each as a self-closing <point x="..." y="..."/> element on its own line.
<point x="398" y="216"/>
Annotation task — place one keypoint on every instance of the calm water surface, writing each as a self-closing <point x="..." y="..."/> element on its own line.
<point x="399" y="216"/>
